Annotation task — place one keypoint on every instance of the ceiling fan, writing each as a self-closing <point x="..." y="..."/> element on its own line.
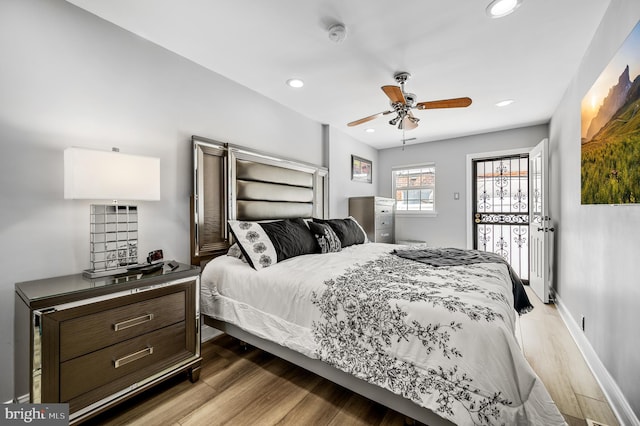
<point x="402" y="103"/>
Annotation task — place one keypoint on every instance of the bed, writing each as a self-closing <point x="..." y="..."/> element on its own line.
<point x="435" y="342"/>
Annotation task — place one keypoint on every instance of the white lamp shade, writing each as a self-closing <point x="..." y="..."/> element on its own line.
<point x="109" y="175"/>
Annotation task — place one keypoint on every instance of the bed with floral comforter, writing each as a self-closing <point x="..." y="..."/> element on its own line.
<point x="440" y="336"/>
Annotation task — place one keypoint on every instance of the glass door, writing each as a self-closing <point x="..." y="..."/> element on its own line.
<point x="501" y="209"/>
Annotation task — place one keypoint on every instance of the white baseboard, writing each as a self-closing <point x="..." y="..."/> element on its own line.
<point x="21" y="400"/>
<point x="612" y="392"/>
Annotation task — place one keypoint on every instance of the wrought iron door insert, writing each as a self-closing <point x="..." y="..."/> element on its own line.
<point x="501" y="209"/>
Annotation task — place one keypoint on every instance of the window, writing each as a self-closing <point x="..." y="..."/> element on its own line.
<point x="414" y="188"/>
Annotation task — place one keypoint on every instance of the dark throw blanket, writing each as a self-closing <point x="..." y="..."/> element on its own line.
<point x="455" y="257"/>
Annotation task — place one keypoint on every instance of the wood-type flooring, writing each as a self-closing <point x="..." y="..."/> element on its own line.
<point x="246" y="386"/>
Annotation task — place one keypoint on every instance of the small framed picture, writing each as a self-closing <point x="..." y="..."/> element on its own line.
<point x="361" y="169"/>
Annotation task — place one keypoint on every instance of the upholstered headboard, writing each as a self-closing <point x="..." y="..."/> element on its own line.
<point x="232" y="182"/>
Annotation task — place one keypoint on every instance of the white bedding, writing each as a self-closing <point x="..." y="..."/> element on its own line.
<point x="442" y="337"/>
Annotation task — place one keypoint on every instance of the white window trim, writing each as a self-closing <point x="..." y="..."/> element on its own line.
<point x="415" y="213"/>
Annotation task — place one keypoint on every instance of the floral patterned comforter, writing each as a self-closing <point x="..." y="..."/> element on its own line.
<point x="442" y="337"/>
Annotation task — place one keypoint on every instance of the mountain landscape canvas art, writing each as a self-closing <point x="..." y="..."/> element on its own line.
<point x="610" y="137"/>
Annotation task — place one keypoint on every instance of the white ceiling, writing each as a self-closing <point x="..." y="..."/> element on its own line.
<point x="451" y="48"/>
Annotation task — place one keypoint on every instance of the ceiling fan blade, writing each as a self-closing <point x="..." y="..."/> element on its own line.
<point x="394" y="93"/>
<point x="369" y="118"/>
<point x="445" y="103"/>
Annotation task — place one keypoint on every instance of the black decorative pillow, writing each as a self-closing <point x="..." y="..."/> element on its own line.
<point x="265" y="244"/>
<point x="348" y="230"/>
<point x="290" y="237"/>
<point x="327" y="239"/>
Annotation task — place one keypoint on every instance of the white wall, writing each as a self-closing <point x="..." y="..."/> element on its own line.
<point x="448" y="228"/>
<point x="341" y="187"/>
<point x="598" y="245"/>
<point x="70" y="79"/>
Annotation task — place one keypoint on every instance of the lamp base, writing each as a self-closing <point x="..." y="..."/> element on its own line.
<point x="113" y="239"/>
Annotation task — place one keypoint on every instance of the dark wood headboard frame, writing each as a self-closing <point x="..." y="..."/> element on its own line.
<point x="233" y="182"/>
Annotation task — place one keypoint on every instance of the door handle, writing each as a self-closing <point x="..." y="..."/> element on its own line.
<point x="546" y="229"/>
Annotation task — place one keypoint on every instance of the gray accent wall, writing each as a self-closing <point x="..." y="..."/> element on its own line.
<point x="69" y="78"/>
<point x="598" y="245"/>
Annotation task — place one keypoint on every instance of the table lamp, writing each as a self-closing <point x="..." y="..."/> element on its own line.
<point x="114" y="176"/>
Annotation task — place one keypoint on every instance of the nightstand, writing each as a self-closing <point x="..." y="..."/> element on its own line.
<point x="94" y="343"/>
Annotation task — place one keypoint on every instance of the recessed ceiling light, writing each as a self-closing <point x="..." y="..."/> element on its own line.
<point x="295" y="82"/>
<point x="500" y="8"/>
<point x="370" y="130"/>
<point x="505" y="103"/>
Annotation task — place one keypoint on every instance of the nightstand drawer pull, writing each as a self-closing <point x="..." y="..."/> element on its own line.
<point x="133" y="357"/>
<point x="132" y="322"/>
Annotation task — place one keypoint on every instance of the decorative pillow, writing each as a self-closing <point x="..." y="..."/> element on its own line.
<point x="291" y="237"/>
<point x="366" y="238"/>
<point x="327" y="239"/>
<point x="234" y="251"/>
<point x="348" y="230"/>
<point x="254" y="243"/>
<point x="265" y="244"/>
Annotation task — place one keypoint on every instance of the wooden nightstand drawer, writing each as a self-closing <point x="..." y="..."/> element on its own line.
<point x="88" y="333"/>
<point x="134" y="359"/>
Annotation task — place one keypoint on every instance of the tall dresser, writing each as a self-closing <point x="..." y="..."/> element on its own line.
<point x="376" y="215"/>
